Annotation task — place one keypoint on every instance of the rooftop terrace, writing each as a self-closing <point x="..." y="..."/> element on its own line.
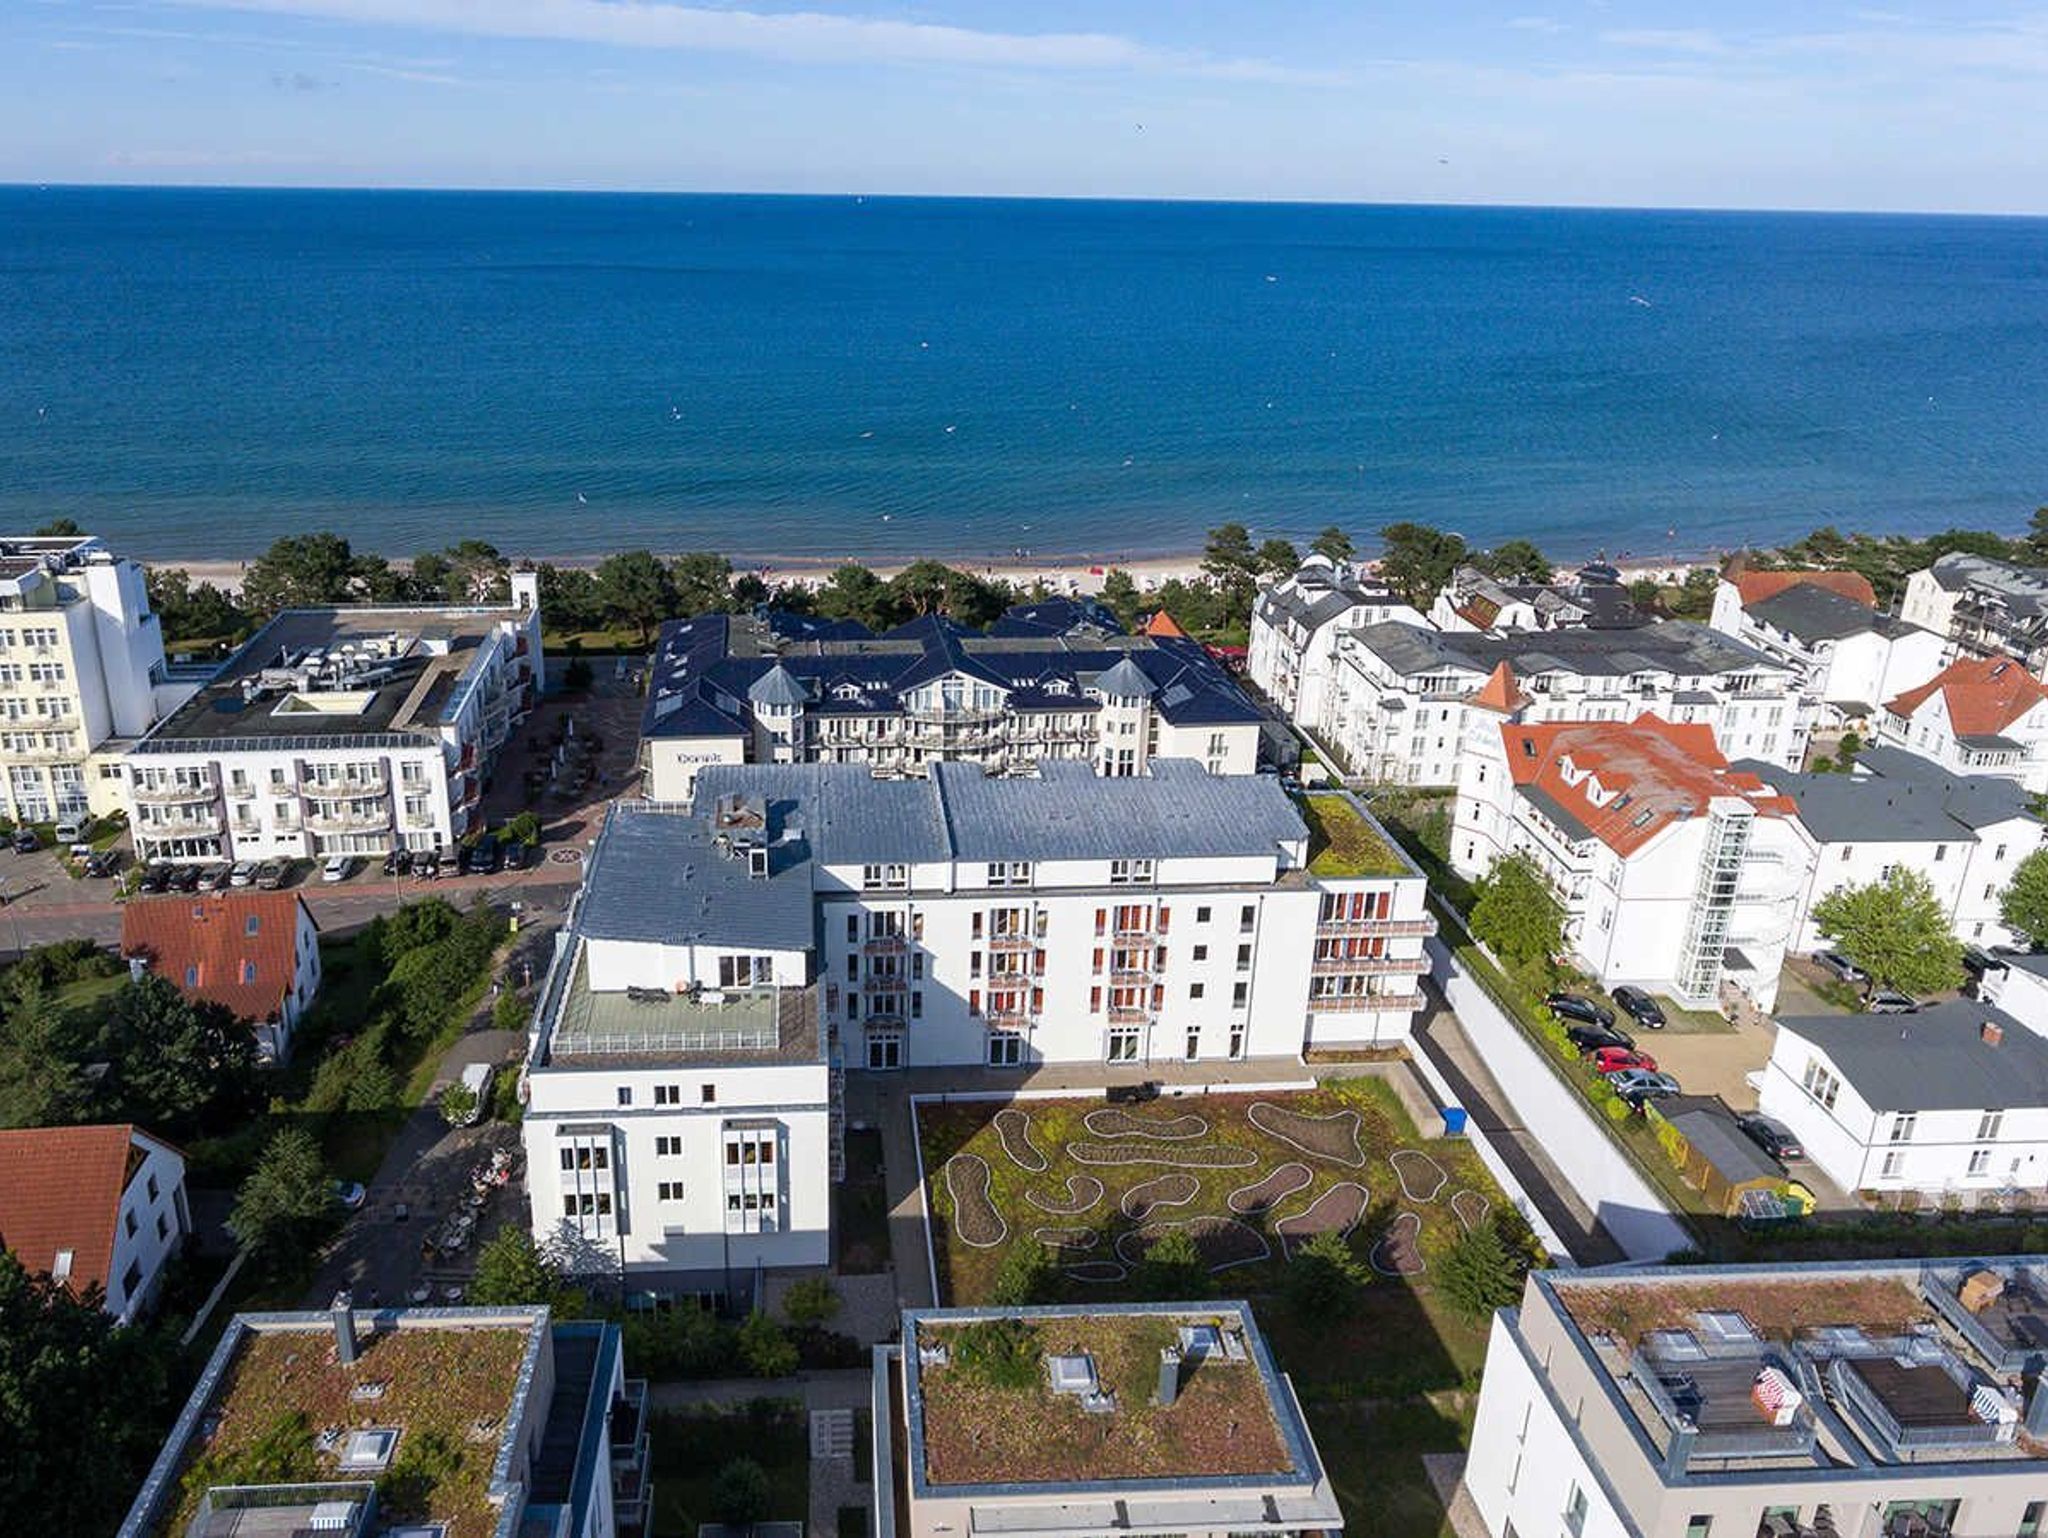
<point x="1070" y="1397"/>
<point x="730" y="1026"/>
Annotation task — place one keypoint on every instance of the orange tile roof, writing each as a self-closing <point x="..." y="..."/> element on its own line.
<point x="60" y="1189"/>
<point x="1984" y="695"/>
<point x="1756" y="586"/>
<point x="1627" y="783"/>
<point x="1500" y="692"/>
<point x="1161" y="624"/>
<point x="234" y="948"/>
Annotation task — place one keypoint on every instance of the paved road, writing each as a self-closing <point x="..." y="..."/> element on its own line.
<point x="1439" y="1034"/>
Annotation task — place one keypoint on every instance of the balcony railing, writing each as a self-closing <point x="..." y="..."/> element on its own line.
<point x="885" y="945"/>
<point x="1133" y="929"/>
<point x="1128" y="1014"/>
<point x="348" y="822"/>
<point x="180" y="827"/>
<point x="1132" y="977"/>
<point x="360" y="785"/>
<point x="1337" y="966"/>
<point x="1356" y="1003"/>
<point x="1422" y="926"/>
<point x="883" y="984"/>
<point x="1010" y="1019"/>
<point x="172" y="795"/>
<point x="1009" y="943"/>
<point x="955" y="715"/>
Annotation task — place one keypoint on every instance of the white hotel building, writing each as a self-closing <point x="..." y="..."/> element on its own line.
<point x="340" y="731"/>
<point x="1872" y="1399"/>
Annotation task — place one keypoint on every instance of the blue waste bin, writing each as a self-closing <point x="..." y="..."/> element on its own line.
<point x="1454" y="1121"/>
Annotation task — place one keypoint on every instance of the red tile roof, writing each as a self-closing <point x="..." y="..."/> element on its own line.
<point x="1756" y="586"/>
<point x="1628" y="783"/>
<point x="234" y="948"/>
<point x="1500" y="692"/>
<point x="60" y="1189"/>
<point x="1162" y="624"/>
<point x="1985" y="695"/>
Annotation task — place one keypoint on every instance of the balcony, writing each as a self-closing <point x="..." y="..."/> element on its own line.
<point x="353" y="785"/>
<point x="349" y="821"/>
<point x="1358" y="1003"/>
<point x="1134" y="929"/>
<point x="174" y="795"/>
<point x="1010" y="1019"/>
<point x="1423" y="926"/>
<point x="1012" y="943"/>
<point x="187" y="826"/>
<point x="1122" y="1014"/>
<point x="886" y="945"/>
<point x="883" y="984"/>
<point x="1334" y="966"/>
<point x="1132" y="977"/>
<point x="955" y="715"/>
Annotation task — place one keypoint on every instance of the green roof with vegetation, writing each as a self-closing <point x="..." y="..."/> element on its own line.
<point x="1344" y="841"/>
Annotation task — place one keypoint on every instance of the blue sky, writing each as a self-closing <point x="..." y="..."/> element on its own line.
<point x="1931" y="105"/>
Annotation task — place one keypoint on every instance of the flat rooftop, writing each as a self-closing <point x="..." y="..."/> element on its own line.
<point x="1889" y="1363"/>
<point x="1002" y="1397"/>
<point x="438" y="1392"/>
<point x="334" y="673"/>
<point x="731" y="1027"/>
<point x="1344" y="840"/>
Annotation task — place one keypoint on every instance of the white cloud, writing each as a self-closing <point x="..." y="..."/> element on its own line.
<point x="1691" y="40"/>
<point x="812" y="37"/>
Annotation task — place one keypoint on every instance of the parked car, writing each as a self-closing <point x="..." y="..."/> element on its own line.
<point x="156" y="877"/>
<point x="1592" y="1038"/>
<point x="426" y="866"/>
<point x="216" y="878"/>
<point x="242" y="873"/>
<point x="514" y="854"/>
<point x="25" y="841"/>
<point x="397" y="862"/>
<point x="350" y="1194"/>
<point x="1888" y="1001"/>
<point x="1773" y="1137"/>
<point x="185" y="878"/>
<point x="481" y="858"/>
<point x="1841" y="966"/>
<point x="1639" y="1007"/>
<point x="1570" y="1006"/>
<point x="1621" y="1059"/>
<point x="270" y="875"/>
<point x="102" y="862"/>
<point x="1636" y="1085"/>
<point x="339" y="867"/>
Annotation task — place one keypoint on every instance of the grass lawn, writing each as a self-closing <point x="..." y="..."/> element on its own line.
<point x="1374" y="1452"/>
<point x="1342" y="840"/>
<point x="689" y="1448"/>
<point x="88" y="994"/>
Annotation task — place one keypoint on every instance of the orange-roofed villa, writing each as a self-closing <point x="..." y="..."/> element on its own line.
<point x="1677" y="872"/>
<point x="1979" y="715"/>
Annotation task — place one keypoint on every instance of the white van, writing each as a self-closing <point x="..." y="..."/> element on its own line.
<point x="476" y="1078"/>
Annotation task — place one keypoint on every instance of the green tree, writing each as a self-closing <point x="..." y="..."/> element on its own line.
<point x="1277" y="558"/>
<point x="2024" y="903"/>
<point x="2037" y="535"/>
<point x="1647" y="594"/>
<point x="1334" y="543"/>
<point x="811" y="1300"/>
<point x="458" y="1104"/>
<point x="180" y="1064"/>
<point x="1894" y="928"/>
<point x="766" y="1348"/>
<point x="1120" y="596"/>
<point x="300" y="571"/>
<point x="703" y="583"/>
<point x="1172" y="1268"/>
<point x="477" y="573"/>
<point x="569" y="599"/>
<point x="1231" y="566"/>
<point x="511" y="1271"/>
<point x="286" y="1200"/>
<point x="1515" y="914"/>
<point x="1515" y="560"/>
<point x="1323" y="1278"/>
<point x="740" y="1493"/>
<point x="59" y="528"/>
<point x="81" y="1402"/>
<point x="1025" y="1275"/>
<point x="634" y="589"/>
<point x="1695" y="596"/>
<point x="1417" y="560"/>
<point x="41" y="1049"/>
<point x="1480" y="1274"/>
<point x="189" y="614"/>
<point x="853" y="592"/>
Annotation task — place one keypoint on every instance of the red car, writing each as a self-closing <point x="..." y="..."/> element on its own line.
<point x="1620" y="1060"/>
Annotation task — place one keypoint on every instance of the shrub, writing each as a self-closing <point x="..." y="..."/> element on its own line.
<point x="509" y="1012"/>
<point x="812" y="1300"/>
<point x="1323" y="1280"/>
<point x="1480" y="1274"/>
<point x="740" y="1493"/>
<point x="1002" y="1353"/>
<point x="1618" y="1110"/>
<point x="522" y="829"/>
<point x="682" y="1343"/>
<point x="765" y="1348"/>
<point x="458" y="1104"/>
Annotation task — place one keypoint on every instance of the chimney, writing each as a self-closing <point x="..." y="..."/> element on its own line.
<point x="1991" y="1032"/>
<point x="1169" y="1376"/>
<point x="342" y="1311"/>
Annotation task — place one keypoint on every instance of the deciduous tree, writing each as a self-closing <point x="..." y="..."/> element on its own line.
<point x="1417" y="560"/>
<point x="1514" y="913"/>
<point x="1895" y="929"/>
<point x="634" y="589"/>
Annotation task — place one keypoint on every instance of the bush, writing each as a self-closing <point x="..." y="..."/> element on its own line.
<point x="764" y="1347"/>
<point x="1323" y="1280"/>
<point x="1002" y="1353"/>
<point x="681" y="1343"/>
<point x="740" y="1493"/>
<point x="458" y="1104"/>
<point x="510" y="1012"/>
<point x="1618" y="1110"/>
<point x="522" y="829"/>
<point x="1480" y="1274"/>
<point x="812" y="1300"/>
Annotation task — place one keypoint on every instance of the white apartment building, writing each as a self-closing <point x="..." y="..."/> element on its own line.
<point x="82" y="672"/>
<point x="1844" y="653"/>
<point x="1297" y="620"/>
<point x="1979" y="715"/>
<point x="1055" y="679"/>
<point x="1591" y="598"/>
<point x="1951" y="1101"/>
<point x="955" y="1453"/>
<point x="1675" y="871"/>
<point x="1982" y="607"/>
<point x="1871" y="1399"/>
<point x="1401" y="698"/>
<point x="1966" y="834"/>
<point x="93" y="1207"/>
<point x="340" y="731"/>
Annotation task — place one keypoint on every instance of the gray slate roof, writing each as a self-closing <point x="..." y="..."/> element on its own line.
<point x="657" y="876"/>
<point x="1921" y="804"/>
<point x="1675" y="646"/>
<point x="1710" y="1127"/>
<point x="1814" y="613"/>
<point x="1936" y="1060"/>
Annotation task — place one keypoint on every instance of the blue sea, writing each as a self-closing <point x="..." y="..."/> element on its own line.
<point x="196" y="372"/>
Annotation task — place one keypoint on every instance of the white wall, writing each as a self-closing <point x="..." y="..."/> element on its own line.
<point x="1524" y="1462"/>
<point x="147" y="1249"/>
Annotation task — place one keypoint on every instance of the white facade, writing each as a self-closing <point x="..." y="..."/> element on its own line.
<point x="81" y="672"/>
<point x="1567" y="1443"/>
<point x="1845" y="654"/>
<point x="98" y="1205"/>
<point x="1982" y="607"/>
<point x="1675" y="873"/>
<point x="1952" y="1101"/>
<point x="1296" y="623"/>
<point x="1400" y="698"/>
<point x="1980" y="716"/>
<point x="340" y="731"/>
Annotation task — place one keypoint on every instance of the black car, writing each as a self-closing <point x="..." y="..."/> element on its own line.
<point x="1773" y="1137"/>
<point x="482" y="858"/>
<point x="426" y="866"/>
<point x="1591" y="1038"/>
<point x="185" y="878"/>
<point x="25" y="841"/>
<point x="102" y="862"/>
<point x="155" y="878"/>
<point x="1570" y="1006"/>
<point x="514" y="854"/>
<point x="1640" y="1007"/>
<point x="398" y="862"/>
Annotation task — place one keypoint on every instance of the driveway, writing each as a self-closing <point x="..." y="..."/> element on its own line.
<point x="1714" y="1062"/>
